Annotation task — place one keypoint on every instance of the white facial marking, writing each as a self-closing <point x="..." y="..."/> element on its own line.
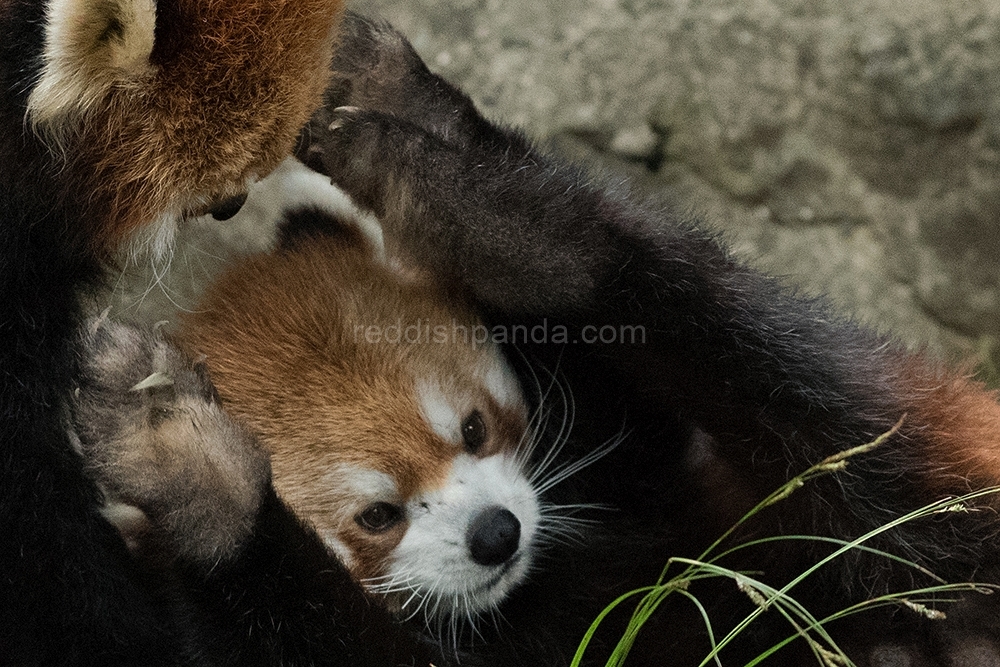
<point x="155" y="241"/>
<point x="434" y="554"/>
<point x="292" y="185"/>
<point x="334" y="544"/>
<point x="438" y="411"/>
<point x="500" y="381"/>
<point x="361" y="482"/>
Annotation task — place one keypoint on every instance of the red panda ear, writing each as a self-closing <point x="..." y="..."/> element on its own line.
<point x="90" y="46"/>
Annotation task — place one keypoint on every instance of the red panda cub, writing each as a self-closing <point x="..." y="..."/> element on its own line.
<point x="394" y="427"/>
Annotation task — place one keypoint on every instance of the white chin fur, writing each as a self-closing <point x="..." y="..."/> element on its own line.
<point x="155" y="241"/>
<point x="291" y="185"/>
<point x="433" y="557"/>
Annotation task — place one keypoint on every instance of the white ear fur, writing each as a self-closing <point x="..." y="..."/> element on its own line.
<point x="90" y="45"/>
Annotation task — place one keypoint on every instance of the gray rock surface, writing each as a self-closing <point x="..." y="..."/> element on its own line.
<point x="852" y="146"/>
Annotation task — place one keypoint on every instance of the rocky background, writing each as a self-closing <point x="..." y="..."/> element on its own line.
<point x="850" y="145"/>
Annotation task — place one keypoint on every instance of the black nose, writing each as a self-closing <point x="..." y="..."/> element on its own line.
<point x="493" y="536"/>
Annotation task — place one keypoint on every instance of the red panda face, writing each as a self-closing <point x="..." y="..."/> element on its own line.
<point x="161" y="108"/>
<point x="394" y="427"/>
<point x="418" y="485"/>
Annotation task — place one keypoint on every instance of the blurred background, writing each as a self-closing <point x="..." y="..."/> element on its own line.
<point x="852" y="146"/>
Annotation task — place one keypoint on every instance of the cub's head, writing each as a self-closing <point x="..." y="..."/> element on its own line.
<point x="394" y="427"/>
<point x="139" y="109"/>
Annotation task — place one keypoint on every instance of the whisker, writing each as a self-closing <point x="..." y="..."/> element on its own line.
<point x="570" y="468"/>
<point x="420" y="602"/>
<point x="562" y="434"/>
<point x="565" y="534"/>
<point x="530" y="438"/>
<point x="538" y="423"/>
<point x="569" y="509"/>
<point x="381" y="578"/>
<point x="568" y="403"/>
<point x="564" y="529"/>
<point x="543" y="411"/>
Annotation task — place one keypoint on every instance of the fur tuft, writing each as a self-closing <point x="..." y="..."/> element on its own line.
<point x="90" y="47"/>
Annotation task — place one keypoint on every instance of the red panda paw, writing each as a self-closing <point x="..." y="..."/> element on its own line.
<point x="372" y="156"/>
<point x="373" y="67"/>
<point x="175" y="470"/>
<point x="376" y="69"/>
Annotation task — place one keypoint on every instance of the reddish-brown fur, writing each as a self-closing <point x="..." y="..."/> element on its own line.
<point x="195" y="131"/>
<point x="278" y="333"/>
<point x="958" y="421"/>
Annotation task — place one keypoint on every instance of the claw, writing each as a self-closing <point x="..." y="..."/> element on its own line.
<point x="130" y="521"/>
<point x="342" y="120"/>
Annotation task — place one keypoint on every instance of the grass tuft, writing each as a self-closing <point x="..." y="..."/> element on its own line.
<point x="768" y="599"/>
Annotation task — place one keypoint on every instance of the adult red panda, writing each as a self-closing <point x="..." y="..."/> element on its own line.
<point x="735" y="386"/>
<point x="120" y="114"/>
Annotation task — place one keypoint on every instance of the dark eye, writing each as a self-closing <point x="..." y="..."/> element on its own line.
<point x="227" y="208"/>
<point x="474" y="431"/>
<point x="379" y="517"/>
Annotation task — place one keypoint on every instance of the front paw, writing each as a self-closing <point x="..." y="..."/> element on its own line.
<point x="173" y="466"/>
<point x="341" y="116"/>
<point x="373" y="157"/>
<point x="373" y="66"/>
<point x="376" y="69"/>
